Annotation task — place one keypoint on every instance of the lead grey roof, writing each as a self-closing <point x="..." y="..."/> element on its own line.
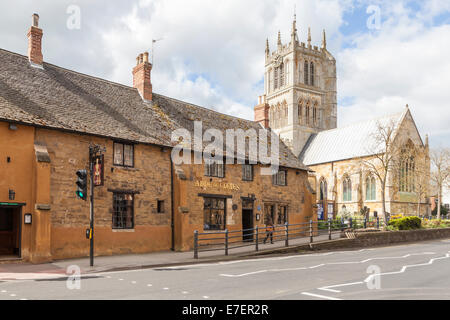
<point x="58" y="98"/>
<point x="352" y="141"/>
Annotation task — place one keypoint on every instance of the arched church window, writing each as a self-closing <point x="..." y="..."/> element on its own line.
<point x="371" y="188"/>
<point x="314" y="109"/>
<point x="275" y="78"/>
<point x="307" y="115"/>
<point x="306" y="73"/>
<point x="347" y="189"/>
<point x="323" y="190"/>
<point x="312" y="74"/>
<point x="300" y="112"/>
<point x="407" y="171"/>
<point x="281" y="74"/>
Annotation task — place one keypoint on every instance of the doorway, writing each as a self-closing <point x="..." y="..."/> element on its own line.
<point x="247" y="220"/>
<point x="10" y="230"/>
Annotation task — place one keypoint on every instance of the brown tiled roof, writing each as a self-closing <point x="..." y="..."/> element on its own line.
<point x="62" y="99"/>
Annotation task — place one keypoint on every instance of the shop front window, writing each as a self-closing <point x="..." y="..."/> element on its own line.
<point x="214" y="213"/>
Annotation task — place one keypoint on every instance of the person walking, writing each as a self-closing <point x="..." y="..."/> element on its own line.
<point x="269" y="230"/>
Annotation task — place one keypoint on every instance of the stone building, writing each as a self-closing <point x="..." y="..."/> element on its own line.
<point x="144" y="202"/>
<point x="300" y="105"/>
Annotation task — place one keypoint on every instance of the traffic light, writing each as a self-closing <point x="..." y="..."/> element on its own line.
<point x="82" y="184"/>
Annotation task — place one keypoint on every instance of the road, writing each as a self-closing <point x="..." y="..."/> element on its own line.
<point x="412" y="271"/>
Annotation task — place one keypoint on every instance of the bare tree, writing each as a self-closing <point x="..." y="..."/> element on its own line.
<point x="385" y="158"/>
<point x="440" y="172"/>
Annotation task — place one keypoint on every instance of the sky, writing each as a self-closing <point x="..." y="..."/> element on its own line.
<point x="211" y="52"/>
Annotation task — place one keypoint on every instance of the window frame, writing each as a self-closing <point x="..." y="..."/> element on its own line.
<point x="123" y="144"/>
<point x="275" y="178"/>
<point x="247" y="165"/>
<point x="224" y="222"/>
<point x="115" y="211"/>
<point x="209" y="163"/>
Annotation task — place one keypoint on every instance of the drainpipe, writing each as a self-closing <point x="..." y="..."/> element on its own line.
<point x="172" y="224"/>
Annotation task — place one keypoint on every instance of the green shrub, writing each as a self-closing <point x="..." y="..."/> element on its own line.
<point x="406" y="223"/>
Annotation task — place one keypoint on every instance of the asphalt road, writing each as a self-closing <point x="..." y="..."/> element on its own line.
<point x="413" y="271"/>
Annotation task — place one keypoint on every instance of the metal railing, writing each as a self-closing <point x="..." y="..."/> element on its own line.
<point x="227" y="240"/>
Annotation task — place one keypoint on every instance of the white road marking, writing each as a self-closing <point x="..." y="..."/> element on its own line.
<point x="205" y="297"/>
<point x="319" y="296"/>
<point x="12" y="295"/>
<point x="185" y="292"/>
<point x="165" y="288"/>
<point x="149" y="285"/>
<point x="339" y="285"/>
<point x="323" y="264"/>
<point x="264" y="259"/>
<point x="4" y="291"/>
<point x="402" y="270"/>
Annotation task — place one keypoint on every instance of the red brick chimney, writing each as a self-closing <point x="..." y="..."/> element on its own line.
<point x="35" y="41"/>
<point x="262" y="112"/>
<point x="141" y="76"/>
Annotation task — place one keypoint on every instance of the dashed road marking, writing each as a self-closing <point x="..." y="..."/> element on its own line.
<point x="149" y="285"/>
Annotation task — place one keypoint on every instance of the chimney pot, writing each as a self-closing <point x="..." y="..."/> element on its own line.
<point x="35" y="21"/>
<point x="35" y="42"/>
<point x="141" y="76"/>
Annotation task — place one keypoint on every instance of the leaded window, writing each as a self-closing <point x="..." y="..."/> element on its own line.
<point x="214" y="169"/>
<point x="247" y="172"/>
<point x="214" y="214"/>
<point x="123" y="154"/>
<point x="370" y="188"/>
<point x="279" y="178"/>
<point x="123" y="211"/>
<point x="347" y="189"/>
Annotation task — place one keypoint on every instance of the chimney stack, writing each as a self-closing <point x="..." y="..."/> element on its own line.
<point x="35" y="42"/>
<point x="141" y="76"/>
<point x="262" y="112"/>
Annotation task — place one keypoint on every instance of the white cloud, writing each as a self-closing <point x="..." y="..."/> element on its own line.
<point x="405" y="62"/>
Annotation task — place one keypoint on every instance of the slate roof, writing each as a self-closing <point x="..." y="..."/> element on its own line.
<point x="352" y="141"/>
<point x="62" y="99"/>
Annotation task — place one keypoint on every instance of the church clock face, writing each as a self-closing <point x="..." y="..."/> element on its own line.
<point x="278" y="60"/>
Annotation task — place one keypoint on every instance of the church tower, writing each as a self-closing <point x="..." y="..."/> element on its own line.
<point x="299" y="90"/>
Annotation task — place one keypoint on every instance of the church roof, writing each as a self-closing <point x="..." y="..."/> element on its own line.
<point x="351" y="141"/>
<point x="57" y="98"/>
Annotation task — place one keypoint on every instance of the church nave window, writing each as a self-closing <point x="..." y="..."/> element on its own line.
<point x="347" y="189"/>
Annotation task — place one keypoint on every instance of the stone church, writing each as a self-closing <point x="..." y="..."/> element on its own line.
<point x="300" y="105"/>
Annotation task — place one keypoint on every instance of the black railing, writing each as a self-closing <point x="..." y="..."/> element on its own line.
<point x="231" y="239"/>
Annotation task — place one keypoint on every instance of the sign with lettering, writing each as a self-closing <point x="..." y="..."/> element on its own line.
<point x="217" y="184"/>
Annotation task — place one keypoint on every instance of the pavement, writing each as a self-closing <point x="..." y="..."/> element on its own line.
<point x="407" y="271"/>
<point x="30" y="271"/>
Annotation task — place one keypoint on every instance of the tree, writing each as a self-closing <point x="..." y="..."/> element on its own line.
<point x="440" y="173"/>
<point x="385" y="158"/>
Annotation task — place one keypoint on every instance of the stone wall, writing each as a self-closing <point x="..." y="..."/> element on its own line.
<point x="149" y="179"/>
<point x="191" y="183"/>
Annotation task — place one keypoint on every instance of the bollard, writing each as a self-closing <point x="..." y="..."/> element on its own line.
<point x="351" y="223"/>
<point x="310" y="231"/>
<point x="365" y="223"/>
<point x="196" y="244"/>
<point x="378" y="223"/>
<point x="329" y="229"/>
<point x="287" y="234"/>
<point x="257" y="238"/>
<point x="226" y="242"/>
<point x="342" y="224"/>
